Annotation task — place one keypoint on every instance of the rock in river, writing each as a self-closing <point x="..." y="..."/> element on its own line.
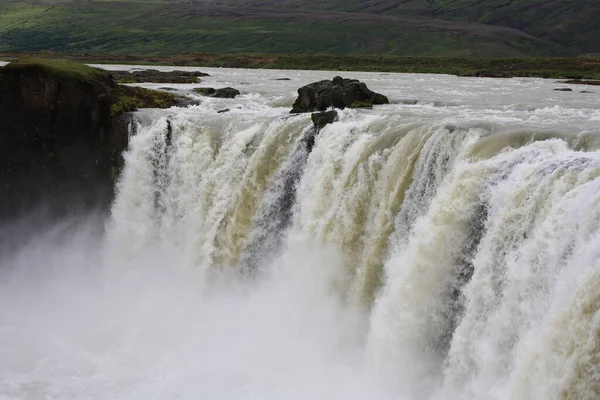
<point x="223" y="93"/>
<point x="337" y="93"/>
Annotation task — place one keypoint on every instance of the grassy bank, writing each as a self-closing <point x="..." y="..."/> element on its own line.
<point x="583" y="68"/>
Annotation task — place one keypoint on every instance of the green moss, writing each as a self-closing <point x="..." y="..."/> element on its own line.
<point x="114" y="173"/>
<point x="127" y="99"/>
<point x="205" y="91"/>
<point x="67" y="70"/>
<point x="125" y="80"/>
<point x="124" y="104"/>
<point x="360" y="104"/>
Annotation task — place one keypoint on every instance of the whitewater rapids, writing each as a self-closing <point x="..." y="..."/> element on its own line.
<point x="445" y="246"/>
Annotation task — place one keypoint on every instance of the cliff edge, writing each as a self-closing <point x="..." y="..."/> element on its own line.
<point x="63" y="127"/>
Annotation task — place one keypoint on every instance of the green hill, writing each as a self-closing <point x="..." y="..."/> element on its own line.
<point x="572" y="23"/>
<point x="356" y="27"/>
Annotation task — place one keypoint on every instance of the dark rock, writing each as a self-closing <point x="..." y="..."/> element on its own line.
<point x="64" y="127"/>
<point x="155" y="76"/>
<point x="582" y="82"/>
<point x="563" y="90"/>
<point x="223" y="111"/>
<point x="320" y="119"/>
<point x="492" y="74"/>
<point x="338" y="93"/>
<point x="585" y="91"/>
<point x="224" y="93"/>
<point x="206" y="91"/>
<point x="283" y="79"/>
<point x="360" y="104"/>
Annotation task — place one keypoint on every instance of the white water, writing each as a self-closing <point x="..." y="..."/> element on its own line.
<point x="447" y="249"/>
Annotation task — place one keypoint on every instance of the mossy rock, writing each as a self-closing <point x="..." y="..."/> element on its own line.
<point x="223" y="93"/>
<point x="360" y="104"/>
<point x="128" y="98"/>
<point x="205" y="91"/>
<point x="336" y="93"/>
<point x="379" y="98"/>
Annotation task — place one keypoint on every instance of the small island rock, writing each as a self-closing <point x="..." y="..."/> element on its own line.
<point x="337" y="93"/>
<point x="223" y="93"/>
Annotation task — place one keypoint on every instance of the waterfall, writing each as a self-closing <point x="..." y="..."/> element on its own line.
<point x="413" y="251"/>
<point x="478" y="265"/>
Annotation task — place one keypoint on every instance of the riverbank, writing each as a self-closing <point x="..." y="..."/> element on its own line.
<point x="558" y="68"/>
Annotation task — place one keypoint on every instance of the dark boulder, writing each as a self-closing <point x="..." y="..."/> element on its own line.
<point x="337" y="93"/>
<point x="563" y="90"/>
<point x="320" y="119"/>
<point x="205" y="91"/>
<point x="64" y="127"/>
<point x="224" y="93"/>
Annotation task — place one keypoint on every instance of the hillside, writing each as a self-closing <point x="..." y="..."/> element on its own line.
<point x="356" y="27"/>
<point x="572" y="23"/>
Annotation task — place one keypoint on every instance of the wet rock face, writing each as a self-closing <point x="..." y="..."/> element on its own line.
<point x="57" y="138"/>
<point x="320" y="119"/>
<point x="337" y="93"/>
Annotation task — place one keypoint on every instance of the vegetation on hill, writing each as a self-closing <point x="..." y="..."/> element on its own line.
<point x="355" y="27"/>
<point x="569" y="68"/>
<point x="570" y="23"/>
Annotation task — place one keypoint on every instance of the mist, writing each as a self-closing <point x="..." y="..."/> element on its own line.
<point x="76" y="322"/>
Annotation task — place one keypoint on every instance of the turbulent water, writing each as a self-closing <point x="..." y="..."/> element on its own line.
<point x="445" y="246"/>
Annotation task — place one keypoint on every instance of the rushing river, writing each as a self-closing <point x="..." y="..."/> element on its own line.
<point x="445" y="246"/>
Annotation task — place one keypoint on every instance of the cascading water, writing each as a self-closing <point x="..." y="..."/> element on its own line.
<point x="412" y="251"/>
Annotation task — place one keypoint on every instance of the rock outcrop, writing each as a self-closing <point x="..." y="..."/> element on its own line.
<point x="337" y="93"/>
<point x="155" y="76"/>
<point x="64" y="127"/>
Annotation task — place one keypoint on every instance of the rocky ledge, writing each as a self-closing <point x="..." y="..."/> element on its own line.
<point x="337" y="93"/>
<point x="155" y="76"/>
<point x="64" y="127"/>
<point x="581" y="82"/>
